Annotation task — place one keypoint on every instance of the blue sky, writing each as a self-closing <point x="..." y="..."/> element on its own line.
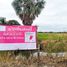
<point x="54" y="13"/>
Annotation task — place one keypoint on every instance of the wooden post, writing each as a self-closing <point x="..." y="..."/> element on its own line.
<point x="38" y="55"/>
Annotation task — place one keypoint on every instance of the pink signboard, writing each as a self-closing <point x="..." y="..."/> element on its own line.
<point x="17" y="37"/>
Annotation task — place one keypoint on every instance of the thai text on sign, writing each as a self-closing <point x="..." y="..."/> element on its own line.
<point x="17" y="37"/>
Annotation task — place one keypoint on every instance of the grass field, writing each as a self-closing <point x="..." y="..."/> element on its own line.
<point x="52" y="36"/>
<point x="53" y="42"/>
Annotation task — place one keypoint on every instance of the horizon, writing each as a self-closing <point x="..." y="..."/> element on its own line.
<point x="52" y="28"/>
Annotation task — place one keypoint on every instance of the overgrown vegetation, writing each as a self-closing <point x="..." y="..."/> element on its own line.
<point x="53" y="42"/>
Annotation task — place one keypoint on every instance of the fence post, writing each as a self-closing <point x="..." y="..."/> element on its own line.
<point x="38" y="55"/>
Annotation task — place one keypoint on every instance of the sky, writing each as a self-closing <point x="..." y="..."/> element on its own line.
<point x="54" y="13"/>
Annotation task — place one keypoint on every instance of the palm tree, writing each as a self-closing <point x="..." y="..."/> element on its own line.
<point x="28" y="10"/>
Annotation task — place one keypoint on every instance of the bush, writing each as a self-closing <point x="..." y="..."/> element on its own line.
<point x="54" y="47"/>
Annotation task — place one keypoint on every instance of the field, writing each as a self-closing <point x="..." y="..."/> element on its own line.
<point x="53" y="42"/>
<point x="52" y="36"/>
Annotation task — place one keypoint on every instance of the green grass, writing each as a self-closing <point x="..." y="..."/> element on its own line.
<point x="52" y="36"/>
<point x="53" y="42"/>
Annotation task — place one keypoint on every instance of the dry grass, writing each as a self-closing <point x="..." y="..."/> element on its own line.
<point x="20" y="61"/>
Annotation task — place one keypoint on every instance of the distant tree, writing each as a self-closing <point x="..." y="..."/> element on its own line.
<point x="13" y="22"/>
<point x="28" y="10"/>
<point x="10" y="22"/>
<point x="2" y="21"/>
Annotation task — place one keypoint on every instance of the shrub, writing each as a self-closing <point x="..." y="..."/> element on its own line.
<point x="54" y="47"/>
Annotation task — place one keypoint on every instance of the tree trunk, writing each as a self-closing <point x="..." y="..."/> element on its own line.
<point x="26" y="19"/>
